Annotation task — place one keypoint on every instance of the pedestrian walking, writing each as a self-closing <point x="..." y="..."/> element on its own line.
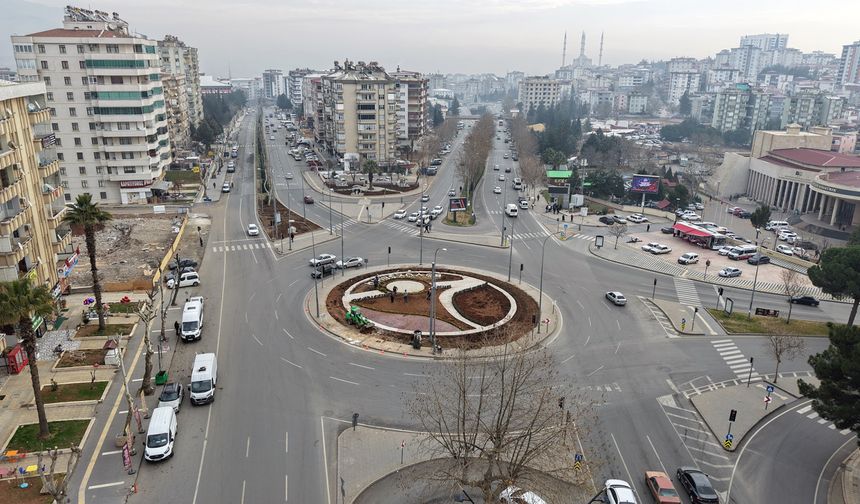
<point x="395" y="289"/>
<point x="648" y="228"/>
<point x="405" y="296"/>
<point x="391" y="295"/>
<point x="176" y="327"/>
<point x="376" y="281"/>
<point x="213" y="184"/>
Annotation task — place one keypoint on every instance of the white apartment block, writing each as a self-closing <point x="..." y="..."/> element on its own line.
<point x="359" y="112"/>
<point x="721" y="78"/>
<point x="637" y="103"/>
<point x="412" y="89"/>
<point x="536" y="91"/>
<point x="811" y="107"/>
<point x="181" y="79"/>
<point x="686" y="65"/>
<point x="766" y="41"/>
<point x="251" y="86"/>
<point x="750" y="60"/>
<point x="849" y="65"/>
<point x="294" y="85"/>
<point x="106" y="96"/>
<point x="273" y="84"/>
<point x="683" y="82"/>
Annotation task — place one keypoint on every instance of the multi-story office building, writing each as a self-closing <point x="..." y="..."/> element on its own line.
<point x="273" y="84"/>
<point x="740" y="107"/>
<point x="849" y="65"/>
<point x="766" y="41"/>
<point x="32" y="235"/>
<point x="360" y="112"/>
<point x="683" y="82"/>
<point x="411" y="106"/>
<point x="107" y="105"/>
<point x="537" y="91"/>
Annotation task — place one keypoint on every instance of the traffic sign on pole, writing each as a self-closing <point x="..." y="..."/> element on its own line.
<point x="769" y="389"/>
<point x="727" y="444"/>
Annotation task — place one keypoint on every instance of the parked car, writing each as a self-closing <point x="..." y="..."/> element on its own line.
<point x="649" y="246"/>
<point x="699" y="206"/>
<point x="688" y="258"/>
<point x="729" y="272"/>
<point x="349" y="262"/>
<point x="619" y="219"/>
<point x="732" y="209"/>
<point x="183" y="263"/>
<point x="322" y="270"/>
<point x="618" y="492"/>
<point x="785" y="249"/>
<point x="786" y="235"/>
<point x="171" y="395"/>
<point x="190" y="279"/>
<point x="759" y="259"/>
<point x="661" y="249"/>
<point x="804" y="300"/>
<point x="606" y="219"/>
<point x="724" y="251"/>
<point x="637" y="218"/>
<point x="667" y="230"/>
<point x="308" y="200"/>
<point x="745" y="214"/>
<point x="253" y="230"/>
<point x="697" y="485"/>
<point x="616" y="298"/>
<point x="323" y="259"/>
<point x="661" y="488"/>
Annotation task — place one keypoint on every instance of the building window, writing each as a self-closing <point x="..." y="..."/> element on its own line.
<point x="59" y="143"/>
<point x="99" y="170"/>
<point x="63" y="173"/>
<point x="41" y="48"/>
<point x="68" y="196"/>
<point x="43" y="64"/>
<point x="80" y="156"/>
<point x="49" y="96"/>
<point x="112" y="48"/>
<point x="61" y="156"/>
<point x="74" y="126"/>
<point x="73" y="112"/>
<point x="84" y="81"/>
<point x="64" y="65"/>
<point x="84" y="184"/>
<point x="47" y="81"/>
<point x="82" y="65"/>
<point x="95" y="141"/>
<point x="97" y="155"/>
<point x="70" y="96"/>
<point x="102" y="194"/>
<point x="129" y="169"/>
<point x="77" y="141"/>
<point x="67" y="81"/>
<point x="55" y="126"/>
<point x="53" y="112"/>
<point x="94" y="48"/>
<point x="92" y="126"/>
<point x="89" y="111"/>
<point x="80" y="48"/>
<point x="87" y="95"/>
<point x="82" y="169"/>
<point x="101" y="183"/>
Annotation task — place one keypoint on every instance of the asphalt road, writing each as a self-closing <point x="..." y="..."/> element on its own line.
<point x="264" y="438"/>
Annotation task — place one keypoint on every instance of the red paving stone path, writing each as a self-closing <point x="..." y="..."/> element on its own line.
<point x="406" y="322"/>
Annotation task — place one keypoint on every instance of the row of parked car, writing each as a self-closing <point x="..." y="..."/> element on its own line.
<point x="618" y="219"/>
<point x="325" y="264"/>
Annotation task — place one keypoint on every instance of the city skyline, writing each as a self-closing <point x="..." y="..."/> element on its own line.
<point x="449" y="37"/>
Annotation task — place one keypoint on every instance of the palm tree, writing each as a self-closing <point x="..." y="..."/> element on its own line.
<point x="87" y="214"/>
<point x="20" y="302"/>
<point x="370" y="168"/>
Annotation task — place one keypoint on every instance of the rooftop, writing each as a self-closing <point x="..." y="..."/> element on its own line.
<point x="68" y="33"/>
<point x="819" y="158"/>
<point x="846" y="178"/>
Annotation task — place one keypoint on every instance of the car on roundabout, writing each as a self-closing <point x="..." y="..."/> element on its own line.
<point x="425" y="198"/>
<point x="349" y="262"/>
<point x="412" y="217"/>
<point x="497" y="190"/>
<point x="322" y="259"/>
<point x="637" y="218"/>
<point x="400" y="214"/>
<point x="616" y="298"/>
<point x="322" y="270"/>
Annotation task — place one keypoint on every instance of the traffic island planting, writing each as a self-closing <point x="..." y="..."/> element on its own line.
<point x="70" y="392"/>
<point x="739" y="323"/>
<point x="92" y="329"/>
<point x="64" y="433"/>
<point x="75" y="358"/>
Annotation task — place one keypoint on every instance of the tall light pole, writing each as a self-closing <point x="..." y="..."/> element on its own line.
<point x="504" y="205"/>
<point x="433" y="300"/>
<point x="540" y="296"/>
<point x="289" y="219"/>
<point x="421" y="228"/>
<point x="330" y="226"/>
<point x="304" y="206"/>
<point x="342" y="270"/>
<point x="755" y="279"/>
<point x="511" y="252"/>
<point x="320" y="266"/>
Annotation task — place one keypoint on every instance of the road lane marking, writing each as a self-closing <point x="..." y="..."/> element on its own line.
<point x="342" y="380"/>
<point x="281" y="294"/>
<point x="243" y="492"/>
<point x="106" y="485"/>
<point x="672" y="386"/>
<point x="589" y="321"/>
<point x="804" y="409"/>
<point x="112" y="452"/>
<point x="629" y="476"/>
<point x="596" y="370"/>
<point x="571" y="357"/>
<point x="325" y="462"/>
<point x="276" y="315"/>
<point x="617" y="347"/>
<point x="317" y="351"/>
<point x="656" y="454"/>
<point x="287" y="333"/>
<point x="715" y="342"/>
<point x="363" y="367"/>
<point x="286" y="442"/>
<point x="247" y="446"/>
<point x="824" y="467"/>
<point x="286" y="487"/>
<point x="414" y="374"/>
<point x="589" y="336"/>
<point x="258" y="339"/>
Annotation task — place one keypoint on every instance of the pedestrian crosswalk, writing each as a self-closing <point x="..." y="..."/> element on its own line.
<point x="240" y="247"/>
<point x="523" y="236"/>
<point x="735" y="359"/>
<point x="583" y="237"/>
<point x="808" y="413"/>
<point x="404" y="227"/>
<point x="686" y="291"/>
<point x="608" y="387"/>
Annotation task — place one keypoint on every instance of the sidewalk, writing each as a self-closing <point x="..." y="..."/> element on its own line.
<point x="845" y="487"/>
<point x="686" y="321"/>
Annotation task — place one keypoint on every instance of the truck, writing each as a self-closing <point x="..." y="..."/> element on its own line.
<point x="192" y="319"/>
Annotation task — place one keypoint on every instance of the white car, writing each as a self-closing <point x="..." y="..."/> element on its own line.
<point x="648" y="247"/>
<point x="226" y="187"/>
<point x="412" y="217"/>
<point x="788" y="236"/>
<point x="688" y="258"/>
<point x="502" y="177"/>
<point x="700" y="206"/>
<point x="451" y="193"/>
<point x="349" y="262"/>
<point x="691" y="216"/>
<point x="497" y="190"/>
<point x="272" y="137"/>
<point x="637" y="218"/>
<point x="425" y="198"/>
<point x="784" y="249"/>
<point x="616" y="298"/>
<point x="618" y="492"/>
<point x="436" y="212"/>
<point x="729" y="272"/>
<point x="661" y="249"/>
<point x="322" y="259"/>
<point x="724" y="251"/>
<point x="289" y="176"/>
<point x="253" y="230"/>
<point x="400" y="214"/>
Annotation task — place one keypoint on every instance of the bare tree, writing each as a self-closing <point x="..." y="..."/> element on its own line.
<point x="52" y="482"/>
<point x="506" y="419"/>
<point x="617" y="230"/>
<point x="784" y="347"/>
<point x="146" y="314"/>
<point x="531" y="170"/>
<point x="792" y="286"/>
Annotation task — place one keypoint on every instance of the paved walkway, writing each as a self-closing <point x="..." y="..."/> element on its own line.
<point x="845" y="487"/>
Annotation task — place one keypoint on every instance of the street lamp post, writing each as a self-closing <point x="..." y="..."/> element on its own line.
<point x="330" y="226"/>
<point x="433" y="300"/>
<point x="316" y="280"/>
<point x="304" y="206"/>
<point x="342" y="270"/>
<point x="504" y="204"/>
<point x="511" y="252"/>
<point x="289" y="219"/>
<point x="755" y="279"/>
<point x="540" y="296"/>
<point x="421" y="229"/>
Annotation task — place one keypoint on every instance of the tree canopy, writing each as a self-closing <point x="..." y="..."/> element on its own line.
<point x="454" y="108"/>
<point x="685" y="106"/>
<point x="838" y="274"/>
<point x="284" y="102"/>
<point x="691" y="130"/>
<point x="760" y="216"/>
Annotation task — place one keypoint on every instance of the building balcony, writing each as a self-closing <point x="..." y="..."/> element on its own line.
<point x="138" y="175"/>
<point x="9" y="157"/>
<point x="55" y="213"/>
<point x="13" y="222"/>
<point x="51" y="193"/>
<point x="49" y="168"/>
<point x="14" y="249"/>
<point x="62" y="240"/>
<point x="13" y="190"/>
<point x="40" y="116"/>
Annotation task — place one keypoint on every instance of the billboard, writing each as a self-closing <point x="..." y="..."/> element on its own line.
<point x="648" y="184"/>
<point x="457" y="205"/>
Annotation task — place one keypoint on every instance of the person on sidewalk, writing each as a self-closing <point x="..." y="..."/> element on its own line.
<point x="405" y="296"/>
<point x="391" y="295"/>
<point x="176" y="327"/>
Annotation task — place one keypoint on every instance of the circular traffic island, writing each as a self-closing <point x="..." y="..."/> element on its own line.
<point x="385" y="308"/>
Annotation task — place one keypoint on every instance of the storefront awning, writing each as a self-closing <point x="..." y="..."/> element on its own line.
<point x="690" y="230"/>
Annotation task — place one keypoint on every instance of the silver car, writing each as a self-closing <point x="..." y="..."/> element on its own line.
<point x="171" y="395"/>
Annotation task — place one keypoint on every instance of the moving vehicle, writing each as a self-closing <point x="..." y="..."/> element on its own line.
<point x="451" y="193"/>
<point x="649" y="246"/>
<point x="497" y="190"/>
<point x="501" y="177"/>
<point x="192" y="319"/>
<point x="616" y="298"/>
<point x="225" y="188"/>
<point x="785" y="249"/>
<point x="637" y="218"/>
<point x="436" y="162"/>
<point x="729" y="272"/>
<point x="323" y="259"/>
<point x="495" y="167"/>
<point x="518" y="184"/>
<point x="231" y="167"/>
<point x="688" y="258"/>
<point x="322" y="270"/>
<point x="400" y="214"/>
<point x="171" y="396"/>
<point x="436" y="212"/>
<point x="667" y="230"/>
<point x="742" y="252"/>
<point x="189" y="279"/>
<point x="349" y="262"/>
<point x="804" y="300"/>
<point x="308" y="200"/>
<point x="697" y="485"/>
<point x="425" y="198"/>
<point x="204" y="377"/>
<point x="253" y="230"/>
<point x="759" y="259"/>
<point x="661" y="249"/>
<point x="524" y="204"/>
<point x="160" y="434"/>
<point x="511" y="210"/>
<point x="661" y="488"/>
<point x="412" y="217"/>
<point x="619" y="492"/>
<point x="774" y="224"/>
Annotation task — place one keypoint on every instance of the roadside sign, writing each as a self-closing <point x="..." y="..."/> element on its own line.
<point x="578" y="457"/>
<point x="769" y="389"/>
<point x="727" y="444"/>
<point x="457" y="204"/>
<point x="768" y="399"/>
<point x="730" y="436"/>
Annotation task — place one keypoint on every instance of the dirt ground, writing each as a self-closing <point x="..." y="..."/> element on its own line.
<point x="417" y="304"/>
<point x="128" y="247"/>
<point x="74" y="358"/>
<point x="11" y="493"/>
<point x="483" y="305"/>
<point x="301" y="224"/>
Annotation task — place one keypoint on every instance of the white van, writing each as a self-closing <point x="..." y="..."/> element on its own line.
<point x="775" y="224"/>
<point x="188" y="279"/>
<point x="511" y="210"/>
<point x="204" y="377"/>
<point x="192" y="319"/>
<point x="742" y="252"/>
<point x="518" y="184"/>
<point x="160" y="435"/>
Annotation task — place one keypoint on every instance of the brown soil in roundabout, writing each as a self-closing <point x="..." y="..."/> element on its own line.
<point x="477" y="305"/>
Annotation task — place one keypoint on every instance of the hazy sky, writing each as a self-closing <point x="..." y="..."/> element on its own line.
<point x="468" y="36"/>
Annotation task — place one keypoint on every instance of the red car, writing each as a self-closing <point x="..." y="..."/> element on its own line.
<point x="661" y="488"/>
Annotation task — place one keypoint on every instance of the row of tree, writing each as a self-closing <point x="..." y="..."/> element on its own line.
<point x="218" y="111"/>
<point x="476" y="150"/>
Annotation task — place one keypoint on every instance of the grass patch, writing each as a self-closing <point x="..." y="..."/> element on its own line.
<point x="124" y="307"/>
<point x="9" y="492"/>
<point x="182" y="176"/>
<point x="464" y="220"/>
<point x="64" y="433"/>
<point x="92" y="329"/>
<point x="739" y="323"/>
<point x="67" y="392"/>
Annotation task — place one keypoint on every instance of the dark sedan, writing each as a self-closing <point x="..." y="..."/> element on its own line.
<point x="697" y="485"/>
<point x="183" y="263"/>
<point x="607" y="220"/>
<point x="804" y="300"/>
<point x="759" y="259"/>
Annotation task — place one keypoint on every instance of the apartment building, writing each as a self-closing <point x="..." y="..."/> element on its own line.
<point x="721" y="78"/>
<point x="766" y="41"/>
<point x="251" y="86"/>
<point x="702" y="107"/>
<point x="312" y="103"/>
<point x="360" y="102"/>
<point x="536" y="91"/>
<point x="175" y="81"/>
<point x="682" y="65"/>
<point x="32" y="235"/>
<point x="740" y="107"/>
<point x="294" y="85"/>
<point x="637" y="103"/>
<point x="812" y="107"/>
<point x="104" y="89"/>
<point x="273" y="84"/>
<point x="683" y="82"/>
<point x="849" y="65"/>
<point x="412" y="89"/>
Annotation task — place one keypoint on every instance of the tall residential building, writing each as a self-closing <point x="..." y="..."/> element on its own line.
<point x="740" y="107"/>
<point x="536" y="91"/>
<point x="849" y="65"/>
<point x="360" y="112"/>
<point x="766" y="41"/>
<point x="682" y="65"/>
<point x="702" y="107"/>
<point x="251" y="86"/>
<point x="512" y="80"/>
<point x="32" y="235"/>
<point x="7" y="74"/>
<point x="273" y="84"/>
<point x="294" y="85"/>
<point x="811" y="107"/>
<point x="175" y="80"/>
<point x="106" y="97"/>
<point x="750" y="60"/>
<point x="192" y="86"/>
<point x="412" y="90"/>
<point x="683" y="82"/>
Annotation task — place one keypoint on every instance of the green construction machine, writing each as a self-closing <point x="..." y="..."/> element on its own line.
<point x="354" y="317"/>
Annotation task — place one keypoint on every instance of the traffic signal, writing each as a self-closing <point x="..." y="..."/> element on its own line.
<point x="383" y="204"/>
